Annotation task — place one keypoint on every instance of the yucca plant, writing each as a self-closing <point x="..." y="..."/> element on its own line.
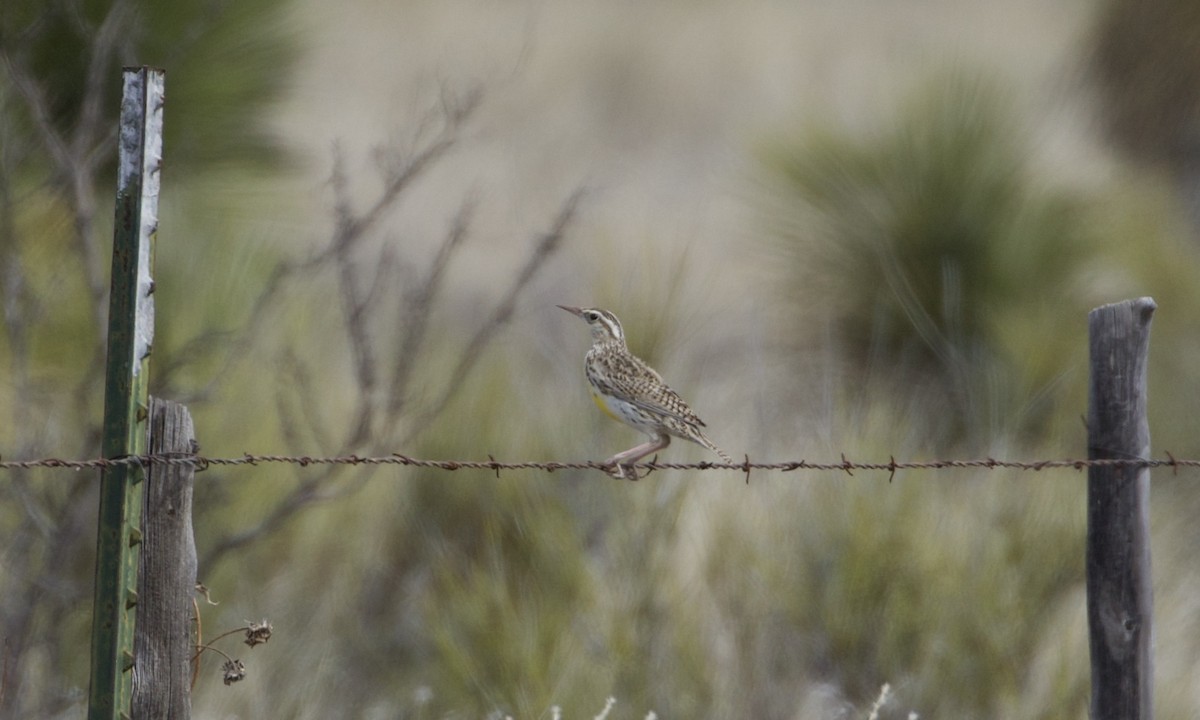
<point x="920" y="242"/>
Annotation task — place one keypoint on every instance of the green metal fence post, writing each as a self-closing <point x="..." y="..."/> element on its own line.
<point x="126" y="394"/>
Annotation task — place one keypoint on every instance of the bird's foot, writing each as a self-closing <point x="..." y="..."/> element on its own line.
<point x="623" y="471"/>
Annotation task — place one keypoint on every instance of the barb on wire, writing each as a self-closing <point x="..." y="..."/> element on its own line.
<point x="491" y="464"/>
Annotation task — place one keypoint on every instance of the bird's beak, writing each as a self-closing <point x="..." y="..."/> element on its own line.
<point x="578" y="312"/>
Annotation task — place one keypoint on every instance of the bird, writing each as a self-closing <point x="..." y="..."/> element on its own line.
<point x="626" y="389"/>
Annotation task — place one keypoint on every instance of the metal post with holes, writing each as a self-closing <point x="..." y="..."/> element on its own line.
<point x="126" y="394"/>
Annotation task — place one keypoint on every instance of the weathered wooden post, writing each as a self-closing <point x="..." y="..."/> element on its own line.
<point x="130" y="335"/>
<point x="163" y="644"/>
<point x="1119" y="594"/>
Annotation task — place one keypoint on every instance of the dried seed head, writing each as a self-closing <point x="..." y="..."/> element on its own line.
<point x="234" y="671"/>
<point x="258" y="633"/>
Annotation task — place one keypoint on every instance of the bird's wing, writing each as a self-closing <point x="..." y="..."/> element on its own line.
<point x="628" y="382"/>
<point x="677" y="409"/>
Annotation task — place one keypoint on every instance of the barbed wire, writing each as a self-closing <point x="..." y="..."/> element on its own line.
<point x="200" y="463"/>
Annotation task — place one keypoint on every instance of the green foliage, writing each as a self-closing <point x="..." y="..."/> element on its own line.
<point x="921" y="245"/>
<point x="227" y="64"/>
<point x="507" y="580"/>
<point x="654" y="637"/>
<point x="945" y="587"/>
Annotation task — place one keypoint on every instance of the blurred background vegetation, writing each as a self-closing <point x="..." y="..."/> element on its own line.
<point x="834" y="228"/>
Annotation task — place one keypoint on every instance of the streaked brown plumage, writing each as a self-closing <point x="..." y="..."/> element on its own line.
<point x="629" y="390"/>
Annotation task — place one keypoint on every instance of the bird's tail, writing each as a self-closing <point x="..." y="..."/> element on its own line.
<point x="702" y="439"/>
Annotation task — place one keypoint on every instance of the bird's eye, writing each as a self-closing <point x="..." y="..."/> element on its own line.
<point x="590" y="316"/>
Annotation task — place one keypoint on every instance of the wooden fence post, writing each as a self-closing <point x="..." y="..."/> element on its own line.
<point x="163" y="645"/>
<point x="126" y="384"/>
<point x="1119" y="595"/>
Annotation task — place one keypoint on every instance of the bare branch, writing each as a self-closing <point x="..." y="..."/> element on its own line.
<point x="294" y="368"/>
<point x="347" y="233"/>
<point x="418" y="309"/>
<point x="502" y="313"/>
<point x="362" y="310"/>
<point x="355" y="312"/>
<point x="351" y="229"/>
<point x="73" y="161"/>
<point x="34" y="96"/>
<point x="105" y="41"/>
<point x="16" y="302"/>
<point x="308" y="492"/>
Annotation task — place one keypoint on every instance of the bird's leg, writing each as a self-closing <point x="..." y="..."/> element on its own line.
<point x="632" y="455"/>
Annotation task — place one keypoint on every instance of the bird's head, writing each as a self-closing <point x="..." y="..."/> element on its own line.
<point x="604" y="325"/>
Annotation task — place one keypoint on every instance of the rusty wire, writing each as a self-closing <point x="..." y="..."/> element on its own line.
<point x="844" y="465"/>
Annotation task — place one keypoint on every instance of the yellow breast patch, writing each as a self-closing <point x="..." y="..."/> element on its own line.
<point x="599" y="400"/>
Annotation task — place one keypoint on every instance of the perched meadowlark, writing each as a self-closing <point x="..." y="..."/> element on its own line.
<point x="629" y="390"/>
